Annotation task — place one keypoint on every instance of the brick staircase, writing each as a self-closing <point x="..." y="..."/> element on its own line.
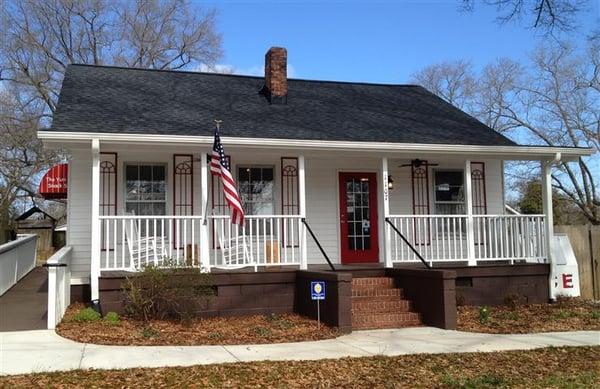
<point x="377" y="303"/>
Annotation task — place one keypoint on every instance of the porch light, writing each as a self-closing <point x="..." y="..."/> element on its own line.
<point x="390" y="183"/>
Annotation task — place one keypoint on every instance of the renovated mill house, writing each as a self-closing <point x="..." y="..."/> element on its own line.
<point x="368" y="176"/>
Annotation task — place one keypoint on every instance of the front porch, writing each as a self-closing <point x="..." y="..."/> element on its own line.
<point x="363" y="210"/>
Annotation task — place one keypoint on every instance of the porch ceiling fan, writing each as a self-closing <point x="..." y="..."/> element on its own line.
<point x="418" y="163"/>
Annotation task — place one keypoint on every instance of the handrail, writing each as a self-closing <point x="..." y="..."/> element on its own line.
<point x="318" y="244"/>
<point x="387" y="219"/>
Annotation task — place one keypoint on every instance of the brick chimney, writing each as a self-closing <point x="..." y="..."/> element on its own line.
<point x="276" y="87"/>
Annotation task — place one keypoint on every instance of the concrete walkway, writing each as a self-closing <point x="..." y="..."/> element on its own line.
<point x="25" y="305"/>
<point x="39" y="351"/>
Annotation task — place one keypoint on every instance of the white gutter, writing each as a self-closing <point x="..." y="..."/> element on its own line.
<point x="531" y="152"/>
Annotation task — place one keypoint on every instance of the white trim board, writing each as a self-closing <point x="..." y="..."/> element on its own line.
<point x="517" y="152"/>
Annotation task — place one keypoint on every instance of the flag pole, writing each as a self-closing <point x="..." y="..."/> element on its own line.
<point x="207" y="156"/>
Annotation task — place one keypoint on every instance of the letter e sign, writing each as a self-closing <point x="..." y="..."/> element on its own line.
<point x="567" y="280"/>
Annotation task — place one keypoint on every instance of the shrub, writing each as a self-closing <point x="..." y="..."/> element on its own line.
<point x="485" y="313"/>
<point x="167" y="292"/>
<point x="86" y="315"/>
<point x="512" y="301"/>
<point x="596" y="315"/>
<point x="149" y="332"/>
<point x="112" y="318"/>
<point x="262" y="331"/>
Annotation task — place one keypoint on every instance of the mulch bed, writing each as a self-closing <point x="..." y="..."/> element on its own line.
<point x="255" y="329"/>
<point x="573" y="367"/>
<point x="568" y="314"/>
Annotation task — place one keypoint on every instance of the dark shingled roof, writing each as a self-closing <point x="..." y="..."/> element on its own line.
<point x="134" y="101"/>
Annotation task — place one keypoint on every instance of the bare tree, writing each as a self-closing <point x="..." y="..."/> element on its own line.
<point x="552" y="101"/>
<point x="453" y="81"/>
<point x="544" y="15"/>
<point x="40" y="38"/>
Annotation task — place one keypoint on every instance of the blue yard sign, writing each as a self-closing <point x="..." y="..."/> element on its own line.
<point x="317" y="290"/>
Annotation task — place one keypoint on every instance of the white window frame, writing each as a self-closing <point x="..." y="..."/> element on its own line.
<point x="125" y="200"/>
<point x="255" y="166"/>
<point x="434" y="194"/>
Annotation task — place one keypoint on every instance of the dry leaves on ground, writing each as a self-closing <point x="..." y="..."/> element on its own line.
<point x="256" y="329"/>
<point x="567" y="314"/>
<point x="542" y="368"/>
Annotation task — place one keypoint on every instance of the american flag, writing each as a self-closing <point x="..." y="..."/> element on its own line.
<point x="219" y="166"/>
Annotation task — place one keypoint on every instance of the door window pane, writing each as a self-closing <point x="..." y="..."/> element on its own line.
<point x="358" y="213"/>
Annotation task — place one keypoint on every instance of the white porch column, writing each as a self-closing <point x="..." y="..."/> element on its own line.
<point x="302" y="195"/>
<point x="204" y="241"/>
<point x="387" y="244"/>
<point x="546" y="167"/>
<point x="95" y="233"/>
<point x="469" y="213"/>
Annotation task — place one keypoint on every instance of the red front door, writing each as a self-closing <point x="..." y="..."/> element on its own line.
<point x="358" y="217"/>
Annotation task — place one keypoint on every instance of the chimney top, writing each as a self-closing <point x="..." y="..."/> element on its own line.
<point x="276" y="87"/>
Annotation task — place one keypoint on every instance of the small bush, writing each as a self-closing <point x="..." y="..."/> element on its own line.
<point x="595" y="315"/>
<point x="149" y="332"/>
<point x="565" y="314"/>
<point x="112" y="318"/>
<point x="512" y="301"/>
<point x="485" y="313"/>
<point x="262" y="331"/>
<point x="167" y="292"/>
<point x="86" y="315"/>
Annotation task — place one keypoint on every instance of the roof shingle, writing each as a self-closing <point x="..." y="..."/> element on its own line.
<point x="135" y="101"/>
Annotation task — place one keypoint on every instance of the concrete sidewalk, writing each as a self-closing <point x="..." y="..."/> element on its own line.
<point x="42" y="351"/>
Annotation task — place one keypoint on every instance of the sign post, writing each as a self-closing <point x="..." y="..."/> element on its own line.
<point x="317" y="292"/>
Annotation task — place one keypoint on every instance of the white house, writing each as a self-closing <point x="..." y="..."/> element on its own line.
<point x="347" y="159"/>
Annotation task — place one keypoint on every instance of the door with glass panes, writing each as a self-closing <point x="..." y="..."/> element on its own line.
<point x="358" y="218"/>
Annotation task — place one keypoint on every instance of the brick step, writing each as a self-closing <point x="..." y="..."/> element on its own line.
<point x="385" y="305"/>
<point x="376" y="292"/>
<point x="387" y="282"/>
<point x="385" y="320"/>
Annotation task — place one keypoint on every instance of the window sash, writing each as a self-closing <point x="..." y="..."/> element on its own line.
<point x="155" y="199"/>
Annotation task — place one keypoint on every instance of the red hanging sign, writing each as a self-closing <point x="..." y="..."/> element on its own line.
<point x="54" y="182"/>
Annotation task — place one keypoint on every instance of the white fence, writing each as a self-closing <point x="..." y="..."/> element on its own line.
<point x="17" y="258"/>
<point x="59" y="285"/>
<point x="440" y="238"/>
<point x="131" y="242"/>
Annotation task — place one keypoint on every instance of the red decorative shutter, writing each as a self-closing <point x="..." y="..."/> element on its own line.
<point x="108" y="189"/>
<point x="290" y="204"/>
<point x="478" y="188"/>
<point x="420" y="189"/>
<point x="183" y="185"/>
<point x="420" y="193"/>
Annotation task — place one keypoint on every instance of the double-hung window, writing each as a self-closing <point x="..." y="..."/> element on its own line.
<point x="449" y="192"/>
<point x="256" y="185"/>
<point x="145" y="189"/>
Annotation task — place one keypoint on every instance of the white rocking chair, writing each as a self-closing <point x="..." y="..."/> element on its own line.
<point x="143" y="250"/>
<point x="235" y="253"/>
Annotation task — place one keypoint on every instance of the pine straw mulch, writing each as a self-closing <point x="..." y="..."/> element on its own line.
<point x="567" y="314"/>
<point x="573" y="367"/>
<point x="256" y="329"/>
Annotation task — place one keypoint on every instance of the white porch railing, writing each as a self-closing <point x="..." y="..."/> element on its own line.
<point x="131" y="242"/>
<point x="17" y="258"/>
<point x="509" y="237"/>
<point x="270" y="240"/>
<point x="59" y="285"/>
<point x="440" y="238"/>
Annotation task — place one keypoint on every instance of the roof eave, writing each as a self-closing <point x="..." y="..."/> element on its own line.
<point x="62" y="139"/>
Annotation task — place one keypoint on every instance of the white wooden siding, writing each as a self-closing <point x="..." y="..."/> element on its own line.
<point x="321" y="187"/>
